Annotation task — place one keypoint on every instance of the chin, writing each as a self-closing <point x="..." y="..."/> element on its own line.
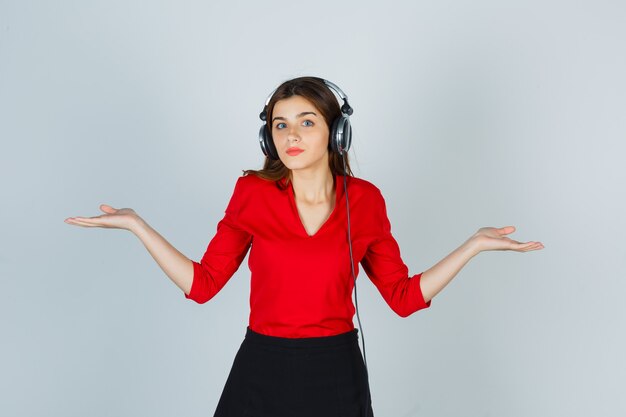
<point x="299" y="164"/>
<point x="295" y="164"/>
<point x="296" y="167"/>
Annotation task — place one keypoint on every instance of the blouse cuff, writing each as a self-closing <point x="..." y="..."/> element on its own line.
<point x="422" y="302"/>
<point x="194" y="292"/>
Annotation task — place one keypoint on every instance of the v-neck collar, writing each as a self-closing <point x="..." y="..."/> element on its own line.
<point x="292" y="199"/>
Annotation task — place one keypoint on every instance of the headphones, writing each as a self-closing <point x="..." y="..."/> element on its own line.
<point x="340" y="130"/>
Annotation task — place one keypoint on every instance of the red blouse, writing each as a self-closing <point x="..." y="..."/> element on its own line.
<point x="301" y="285"/>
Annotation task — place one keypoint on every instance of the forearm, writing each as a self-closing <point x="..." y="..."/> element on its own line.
<point x="437" y="277"/>
<point x="175" y="265"/>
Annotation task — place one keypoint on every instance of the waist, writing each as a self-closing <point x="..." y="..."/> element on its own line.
<point x="342" y="339"/>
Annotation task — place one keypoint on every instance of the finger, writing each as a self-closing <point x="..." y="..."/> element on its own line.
<point x="521" y="246"/>
<point x="77" y="222"/>
<point x="506" y="230"/>
<point x="83" y="219"/>
<point x="107" y="209"/>
<point x="533" y="246"/>
<point x="536" y="243"/>
<point x="97" y="220"/>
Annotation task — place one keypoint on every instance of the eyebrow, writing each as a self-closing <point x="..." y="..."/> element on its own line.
<point x="304" y="113"/>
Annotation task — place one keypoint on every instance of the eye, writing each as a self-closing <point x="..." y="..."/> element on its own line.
<point x="310" y="123"/>
<point x="280" y="126"/>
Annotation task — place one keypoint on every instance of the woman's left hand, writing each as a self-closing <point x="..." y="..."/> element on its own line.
<point x="491" y="238"/>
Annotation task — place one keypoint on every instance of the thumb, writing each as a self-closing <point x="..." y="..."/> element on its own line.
<point x="507" y="229"/>
<point x="107" y="209"/>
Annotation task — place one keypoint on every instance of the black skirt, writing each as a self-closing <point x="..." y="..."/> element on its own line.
<point x="314" y="376"/>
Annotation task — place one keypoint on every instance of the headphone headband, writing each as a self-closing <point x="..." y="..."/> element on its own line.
<point x="345" y="108"/>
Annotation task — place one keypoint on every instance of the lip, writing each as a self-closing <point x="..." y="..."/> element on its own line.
<point x="294" y="151"/>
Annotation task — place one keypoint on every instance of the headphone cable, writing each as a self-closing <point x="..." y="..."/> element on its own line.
<point x="356" y="300"/>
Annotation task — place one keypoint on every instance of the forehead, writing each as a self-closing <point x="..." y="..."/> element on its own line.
<point x="292" y="106"/>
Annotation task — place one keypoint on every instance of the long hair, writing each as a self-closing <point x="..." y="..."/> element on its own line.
<point x="314" y="90"/>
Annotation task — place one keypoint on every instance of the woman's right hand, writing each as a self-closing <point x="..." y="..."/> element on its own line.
<point x="124" y="218"/>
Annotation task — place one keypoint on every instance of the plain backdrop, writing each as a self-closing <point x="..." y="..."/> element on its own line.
<point x="466" y="115"/>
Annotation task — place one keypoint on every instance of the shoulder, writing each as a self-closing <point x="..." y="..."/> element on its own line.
<point x="253" y="181"/>
<point x="362" y="184"/>
<point x="247" y="191"/>
<point x="250" y="184"/>
<point x="367" y="200"/>
<point x="363" y="188"/>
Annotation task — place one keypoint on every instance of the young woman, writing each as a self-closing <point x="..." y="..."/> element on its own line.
<point x="308" y="223"/>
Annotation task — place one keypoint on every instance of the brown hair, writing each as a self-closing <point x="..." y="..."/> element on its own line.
<point x="314" y="90"/>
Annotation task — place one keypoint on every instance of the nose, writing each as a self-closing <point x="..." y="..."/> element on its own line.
<point x="293" y="135"/>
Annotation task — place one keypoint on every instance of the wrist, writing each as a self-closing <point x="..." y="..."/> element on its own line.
<point x="138" y="225"/>
<point x="472" y="246"/>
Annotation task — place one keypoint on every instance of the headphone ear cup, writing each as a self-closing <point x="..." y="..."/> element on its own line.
<point x="267" y="143"/>
<point x="347" y="134"/>
<point x="341" y="135"/>
<point x="332" y="136"/>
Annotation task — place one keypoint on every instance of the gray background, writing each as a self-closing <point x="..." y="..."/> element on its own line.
<point x="467" y="114"/>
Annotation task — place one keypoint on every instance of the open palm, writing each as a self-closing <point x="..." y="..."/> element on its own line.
<point x="491" y="238"/>
<point x="112" y="218"/>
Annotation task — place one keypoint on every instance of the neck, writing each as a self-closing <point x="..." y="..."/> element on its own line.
<point x="313" y="188"/>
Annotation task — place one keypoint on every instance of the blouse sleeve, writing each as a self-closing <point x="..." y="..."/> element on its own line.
<point x="384" y="266"/>
<point x="223" y="255"/>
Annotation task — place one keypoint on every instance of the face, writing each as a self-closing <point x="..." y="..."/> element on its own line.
<point x="300" y="134"/>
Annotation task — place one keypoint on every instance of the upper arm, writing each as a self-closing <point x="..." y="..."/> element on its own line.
<point x="384" y="266"/>
<point x="224" y="254"/>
